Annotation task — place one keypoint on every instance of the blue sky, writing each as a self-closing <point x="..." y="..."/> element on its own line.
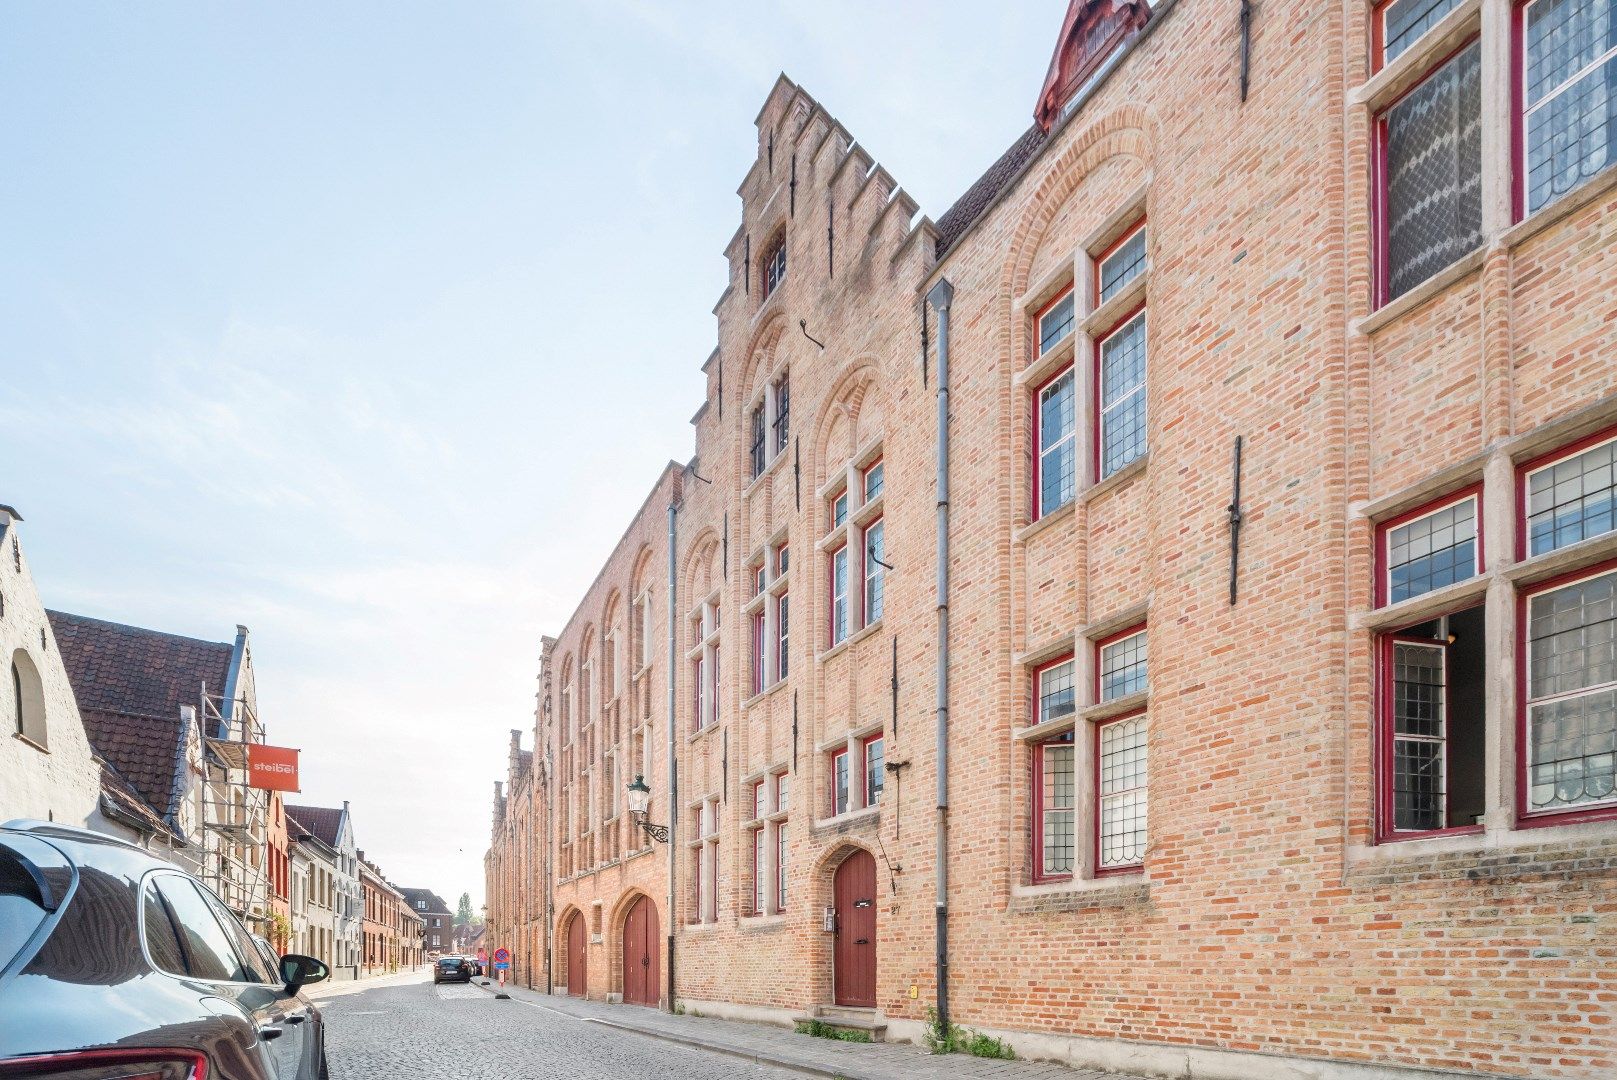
<point x="369" y="325"/>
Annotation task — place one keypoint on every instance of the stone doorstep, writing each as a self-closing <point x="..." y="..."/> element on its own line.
<point x="847" y="1018"/>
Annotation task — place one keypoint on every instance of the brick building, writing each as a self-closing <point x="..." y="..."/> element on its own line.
<point x="514" y="915"/>
<point x="1260" y="403"/>
<point x="390" y="935"/>
<point x="437" y="921"/>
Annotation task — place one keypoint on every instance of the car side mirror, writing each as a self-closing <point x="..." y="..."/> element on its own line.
<point x="298" y="971"/>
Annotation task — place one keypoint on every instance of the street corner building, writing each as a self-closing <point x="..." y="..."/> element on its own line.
<point x="1161" y="611"/>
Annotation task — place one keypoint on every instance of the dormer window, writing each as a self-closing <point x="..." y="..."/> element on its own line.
<point x="774" y="265"/>
<point x="1091" y="36"/>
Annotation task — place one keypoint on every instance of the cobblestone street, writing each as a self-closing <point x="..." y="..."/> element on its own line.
<point x="418" y="1031"/>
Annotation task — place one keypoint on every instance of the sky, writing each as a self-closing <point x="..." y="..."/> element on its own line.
<point x="370" y="325"/>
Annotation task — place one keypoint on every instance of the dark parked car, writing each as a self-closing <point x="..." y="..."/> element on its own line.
<point x="116" y="964"/>
<point x="452" y="969"/>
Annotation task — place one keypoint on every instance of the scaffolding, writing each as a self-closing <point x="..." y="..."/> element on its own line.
<point x="235" y="815"/>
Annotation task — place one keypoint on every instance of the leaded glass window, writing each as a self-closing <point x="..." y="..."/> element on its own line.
<point x="1122" y="396"/>
<point x="1057" y="444"/>
<point x="1056" y="322"/>
<point x="1419" y="729"/>
<point x="756" y="443"/>
<point x="875" y="774"/>
<point x="1573" y="499"/>
<point x="1569" y="94"/>
<point x="1572" y="694"/>
<point x="1056" y="809"/>
<point x="783" y="412"/>
<point x="1433" y="197"/>
<point x="839" y="595"/>
<point x="1122" y="667"/>
<point x="1056" y="692"/>
<point x="875" y="577"/>
<point x="1123" y="265"/>
<point x="1122" y="793"/>
<point x="775" y="266"/>
<point x="1432" y="551"/>
<point x="839" y="782"/>
<point x="1404" y="21"/>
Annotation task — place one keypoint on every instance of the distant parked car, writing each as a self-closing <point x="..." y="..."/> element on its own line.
<point x="115" y="963"/>
<point x="452" y="969"/>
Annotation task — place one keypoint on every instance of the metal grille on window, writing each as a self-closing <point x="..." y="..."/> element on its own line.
<point x="1434" y="173"/>
<point x="1419" y="736"/>
<point x="1573" y="499"/>
<point x="1570" y="94"/>
<point x="1122" y="380"/>
<point x="783" y="412"/>
<point x="1572" y="694"/>
<point x="1056" y="324"/>
<point x="1122" y="667"/>
<point x="1122" y="792"/>
<point x="1056" y="443"/>
<point x="756" y="444"/>
<point x="1056" y="695"/>
<point x="1057" y="797"/>
<point x="1122" y="266"/>
<point x="1404" y="21"/>
<point x="1432" y="551"/>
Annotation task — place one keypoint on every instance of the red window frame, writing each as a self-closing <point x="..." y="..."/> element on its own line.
<point x="843" y="755"/>
<point x="1385" y="738"/>
<point x="1098" y="406"/>
<point x="864" y="480"/>
<point x="771" y="252"/>
<point x="760" y="808"/>
<point x="841" y="494"/>
<point x="1380" y="226"/>
<point x="783" y="632"/>
<point x="758" y="884"/>
<point x="780" y="868"/>
<point x="1108" y="251"/>
<point x="831" y="591"/>
<point x="1045" y="309"/>
<point x="1378" y="35"/>
<point x="779" y="780"/>
<point x="1035" y="682"/>
<point x="757" y="653"/>
<point x="1525" y="817"/>
<point x="1096" y="796"/>
<point x="864" y="765"/>
<point x="865" y="565"/>
<point x="698" y="665"/>
<point x="1036" y="509"/>
<point x="1525" y="470"/>
<point x="1383" y="560"/>
<point x="782" y="557"/>
<point x="1036" y="786"/>
<point x="1112" y="639"/>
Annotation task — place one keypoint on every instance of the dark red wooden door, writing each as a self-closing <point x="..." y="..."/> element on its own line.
<point x="640" y="973"/>
<point x="854" y="961"/>
<point x="577" y="971"/>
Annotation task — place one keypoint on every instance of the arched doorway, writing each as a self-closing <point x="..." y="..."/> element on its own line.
<point x="853" y="955"/>
<point x="577" y="967"/>
<point x="640" y="968"/>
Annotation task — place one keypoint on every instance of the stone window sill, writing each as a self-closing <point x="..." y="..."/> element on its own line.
<point x="1050" y="518"/>
<point x="850" y="817"/>
<point x="1457" y="272"/>
<point x="1119" y="478"/>
<point x="25" y="740"/>
<point x="849" y="642"/>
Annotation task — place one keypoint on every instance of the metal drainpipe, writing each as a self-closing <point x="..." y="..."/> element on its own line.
<point x="673" y="772"/>
<point x="940" y="297"/>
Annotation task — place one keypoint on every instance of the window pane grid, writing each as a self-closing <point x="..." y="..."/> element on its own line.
<point x="783" y="413"/>
<point x="875" y="775"/>
<point x="1057" y="478"/>
<point x="1122" y="667"/>
<point x="1572" y="695"/>
<point x="1057" y="323"/>
<point x="1122" y="793"/>
<point x="839" y="768"/>
<point x="1122" y="266"/>
<point x="875" y="579"/>
<point x="1572" y="499"/>
<point x="839" y="595"/>
<point x="1122" y="381"/>
<point x="1056" y="692"/>
<point x="756" y="447"/>
<point x="1057" y="808"/>
<point x="1419" y="778"/>
<point x="1404" y="21"/>
<point x="1432" y="551"/>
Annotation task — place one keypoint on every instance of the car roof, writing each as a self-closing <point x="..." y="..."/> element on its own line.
<point x="86" y="847"/>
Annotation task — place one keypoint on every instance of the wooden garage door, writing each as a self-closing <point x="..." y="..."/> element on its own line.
<point x="577" y="970"/>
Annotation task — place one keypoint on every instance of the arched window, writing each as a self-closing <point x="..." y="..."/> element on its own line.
<point x="28" y="699"/>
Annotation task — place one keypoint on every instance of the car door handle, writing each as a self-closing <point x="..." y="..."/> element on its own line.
<point x="296" y="1018"/>
<point x="270" y="1031"/>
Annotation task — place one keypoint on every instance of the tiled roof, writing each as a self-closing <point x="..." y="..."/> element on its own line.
<point x="130" y="800"/>
<point x="320" y="822"/>
<point x="435" y="903"/>
<point x="130" y="684"/>
<point x="981" y="195"/>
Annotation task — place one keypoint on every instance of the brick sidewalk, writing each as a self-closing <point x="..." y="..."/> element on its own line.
<point x="769" y="1045"/>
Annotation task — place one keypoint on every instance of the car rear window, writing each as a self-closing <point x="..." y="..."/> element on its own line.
<point x="22" y="906"/>
<point x="449" y="963"/>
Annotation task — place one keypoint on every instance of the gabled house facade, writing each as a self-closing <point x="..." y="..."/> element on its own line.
<point x="437" y="921"/>
<point x="48" y="771"/>
<point x="334" y="827"/>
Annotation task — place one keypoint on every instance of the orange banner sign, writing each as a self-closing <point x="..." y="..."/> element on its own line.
<point x="274" y="768"/>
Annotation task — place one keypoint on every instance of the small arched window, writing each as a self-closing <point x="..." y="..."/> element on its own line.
<point x="28" y="699"/>
<point x="774" y="264"/>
